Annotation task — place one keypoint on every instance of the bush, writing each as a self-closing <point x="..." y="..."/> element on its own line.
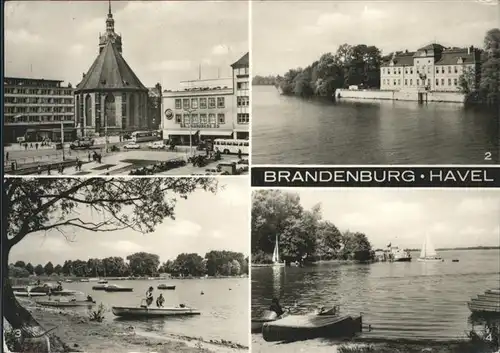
<point x="97" y="315"/>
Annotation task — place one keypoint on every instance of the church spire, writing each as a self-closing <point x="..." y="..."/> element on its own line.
<point x="109" y="12"/>
<point x="110" y="23"/>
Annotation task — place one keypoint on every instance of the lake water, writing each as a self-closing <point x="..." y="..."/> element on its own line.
<point x="224" y="312"/>
<point x="401" y="300"/>
<point x="291" y="130"/>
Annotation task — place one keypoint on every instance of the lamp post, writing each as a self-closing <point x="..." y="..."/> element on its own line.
<point x="190" y="112"/>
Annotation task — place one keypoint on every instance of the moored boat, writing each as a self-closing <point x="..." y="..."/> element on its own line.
<point x="66" y="304"/>
<point x="142" y="311"/>
<point x="115" y="288"/>
<point x="267" y="316"/>
<point x="303" y="327"/>
<point x="102" y="281"/>
<point x="28" y="294"/>
<point x="166" y="286"/>
<point x="487" y="303"/>
<point x="99" y="287"/>
<point x="66" y="292"/>
<point x="84" y="280"/>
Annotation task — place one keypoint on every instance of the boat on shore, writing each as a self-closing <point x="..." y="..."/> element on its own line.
<point x="267" y="316"/>
<point x="66" y="304"/>
<point x="166" y="286"/>
<point x="428" y="253"/>
<point x="116" y="288"/>
<point x="28" y="294"/>
<point x="304" y="327"/>
<point x="486" y="304"/>
<point x="142" y="311"/>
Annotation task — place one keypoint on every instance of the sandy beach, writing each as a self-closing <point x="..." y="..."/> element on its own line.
<point x="83" y="335"/>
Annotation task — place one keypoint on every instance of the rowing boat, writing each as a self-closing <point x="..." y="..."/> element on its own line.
<point x="29" y="294"/>
<point x="115" y="288"/>
<point x="267" y="316"/>
<point x="304" y="327"/>
<point x="165" y="286"/>
<point x="66" y="304"/>
<point x="125" y="311"/>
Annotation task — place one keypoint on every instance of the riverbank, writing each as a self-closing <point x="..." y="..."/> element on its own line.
<point x="327" y="346"/>
<point x="403" y="95"/>
<point x="83" y="335"/>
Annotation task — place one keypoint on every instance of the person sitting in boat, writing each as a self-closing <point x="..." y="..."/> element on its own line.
<point x="276" y="307"/>
<point x="90" y="299"/>
<point x="159" y="301"/>
<point x="149" y="296"/>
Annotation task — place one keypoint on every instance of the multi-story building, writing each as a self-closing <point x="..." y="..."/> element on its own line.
<point x="431" y="68"/>
<point x="205" y="110"/>
<point x="154" y="107"/>
<point x="241" y="83"/>
<point x="110" y="98"/>
<point x="209" y="109"/>
<point x="35" y="109"/>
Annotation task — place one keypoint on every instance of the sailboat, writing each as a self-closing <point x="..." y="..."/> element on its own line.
<point x="276" y="255"/>
<point x="428" y="253"/>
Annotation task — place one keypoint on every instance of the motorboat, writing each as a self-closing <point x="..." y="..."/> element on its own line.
<point x="66" y="292"/>
<point x="304" y="327"/>
<point x="99" y="287"/>
<point x="116" y="288"/>
<point x="400" y="255"/>
<point x="84" y="280"/>
<point x="267" y="316"/>
<point x="102" y="281"/>
<point x="166" y="286"/>
<point x="28" y="294"/>
<point x="144" y="311"/>
<point x="487" y="303"/>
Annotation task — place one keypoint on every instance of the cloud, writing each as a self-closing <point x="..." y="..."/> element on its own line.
<point x="22" y="37"/>
<point x="220" y="49"/>
<point x="167" y="65"/>
<point x="182" y="228"/>
<point x="478" y="205"/>
<point x="123" y="246"/>
<point x="235" y="196"/>
<point x="216" y="234"/>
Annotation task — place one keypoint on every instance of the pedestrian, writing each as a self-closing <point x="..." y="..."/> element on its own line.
<point x="39" y="170"/>
<point x="36" y="145"/>
<point x="31" y="144"/>
<point x="239" y="154"/>
<point x="89" y="156"/>
<point x="48" y="169"/>
<point x="25" y="146"/>
<point x="13" y="165"/>
<point x="7" y="156"/>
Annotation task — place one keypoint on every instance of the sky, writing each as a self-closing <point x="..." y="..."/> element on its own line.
<point x="289" y="34"/>
<point x="203" y="222"/>
<point x="403" y="217"/>
<point x="162" y="41"/>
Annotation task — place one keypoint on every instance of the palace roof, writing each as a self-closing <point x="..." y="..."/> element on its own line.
<point x="110" y="72"/>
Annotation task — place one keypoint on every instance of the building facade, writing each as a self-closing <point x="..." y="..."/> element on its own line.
<point x="110" y="99"/>
<point x="241" y="84"/>
<point x="209" y="109"/>
<point x="431" y="68"/>
<point x="154" y="107"/>
<point x="35" y="109"/>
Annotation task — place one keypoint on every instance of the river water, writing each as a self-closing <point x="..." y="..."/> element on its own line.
<point x="401" y="300"/>
<point x="223" y="306"/>
<point x="291" y="130"/>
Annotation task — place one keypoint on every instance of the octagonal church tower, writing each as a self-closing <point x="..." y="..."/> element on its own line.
<point x="110" y="96"/>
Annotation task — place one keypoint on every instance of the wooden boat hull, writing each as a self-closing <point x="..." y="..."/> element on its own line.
<point x="166" y="287"/>
<point x="429" y="260"/>
<point x="267" y="316"/>
<point x="66" y="293"/>
<point x="99" y="287"/>
<point x="403" y="259"/>
<point x="152" y="312"/>
<point x="112" y="289"/>
<point x="29" y="294"/>
<point x="66" y="304"/>
<point x="304" y="327"/>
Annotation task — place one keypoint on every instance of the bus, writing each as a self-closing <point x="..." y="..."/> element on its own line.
<point x="232" y="146"/>
<point x="144" y="136"/>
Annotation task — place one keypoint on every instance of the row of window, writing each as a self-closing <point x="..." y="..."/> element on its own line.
<point x="38" y="118"/>
<point x="242" y="85"/>
<point x="243" y="118"/>
<point x="35" y="100"/>
<point x="397" y="70"/>
<point x="38" y="110"/>
<point x="398" y="82"/>
<point x="241" y="71"/>
<point x="47" y="92"/>
<point x="201" y="103"/>
<point x="201" y="119"/>
<point x="242" y="101"/>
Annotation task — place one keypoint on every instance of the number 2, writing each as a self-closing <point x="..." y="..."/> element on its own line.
<point x="487" y="156"/>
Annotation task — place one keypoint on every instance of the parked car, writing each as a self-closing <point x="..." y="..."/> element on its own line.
<point x="156" y="145"/>
<point x="132" y="146"/>
<point x="212" y="171"/>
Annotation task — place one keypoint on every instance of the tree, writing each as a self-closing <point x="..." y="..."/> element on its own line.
<point x="58" y="269"/>
<point x="235" y="268"/>
<point x="189" y="265"/>
<point x="39" y="270"/>
<point x="298" y="241"/>
<point x="32" y="205"/>
<point x="49" y="268"/>
<point x="490" y="67"/>
<point x="329" y="240"/>
<point x="18" y="272"/>
<point x="29" y="267"/>
<point x="143" y="264"/>
<point x="20" y="264"/>
<point x="356" y="246"/>
<point x="466" y="81"/>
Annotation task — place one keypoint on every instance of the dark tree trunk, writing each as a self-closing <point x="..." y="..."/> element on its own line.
<point x="18" y="317"/>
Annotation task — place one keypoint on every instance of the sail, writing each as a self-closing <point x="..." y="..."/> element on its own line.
<point x="276" y="255"/>
<point x="427" y="249"/>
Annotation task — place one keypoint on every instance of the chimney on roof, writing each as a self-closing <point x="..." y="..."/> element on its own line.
<point x="470" y="49"/>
